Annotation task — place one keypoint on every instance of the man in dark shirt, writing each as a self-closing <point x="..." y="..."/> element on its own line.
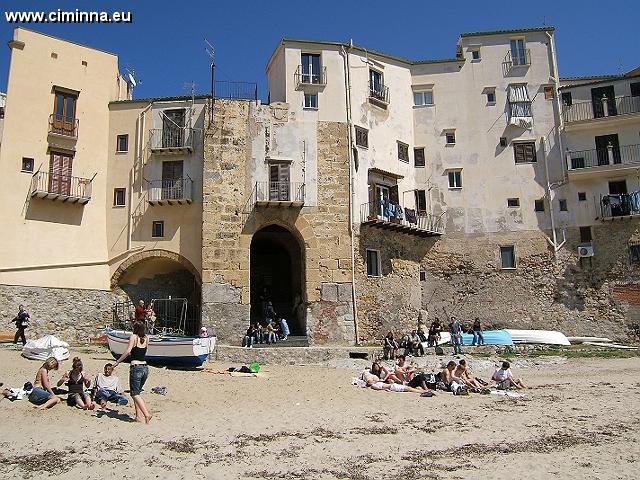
<point x="22" y="322"/>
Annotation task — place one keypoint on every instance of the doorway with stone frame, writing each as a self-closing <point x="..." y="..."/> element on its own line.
<point x="277" y="276"/>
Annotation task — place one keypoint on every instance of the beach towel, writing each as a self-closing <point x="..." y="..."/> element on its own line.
<point x="505" y="393"/>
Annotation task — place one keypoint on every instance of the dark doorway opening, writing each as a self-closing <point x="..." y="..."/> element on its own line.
<point x="597" y="94"/>
<point x="277" y="276"/>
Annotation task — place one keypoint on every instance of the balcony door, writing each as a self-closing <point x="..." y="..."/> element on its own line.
<point x="602" y="149"/>
<point x="60" y="174"/>
<point x="64" y="113"/>
<point x="597" y="94"/>
<point x="311" y="68"/>
<point x="279" y="182"/>
<point x="173" y="123"/>
<point x="172" y="180"/>
<point x="518" y="52"/>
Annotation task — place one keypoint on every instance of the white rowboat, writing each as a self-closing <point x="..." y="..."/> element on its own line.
<point x="186" y="352"/>
<point x="546" y="337"/>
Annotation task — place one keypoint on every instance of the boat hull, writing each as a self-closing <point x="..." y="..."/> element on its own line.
<point x="491" y="337"/>
<point x="547" y="337"/>
<point x="187" y="352"/>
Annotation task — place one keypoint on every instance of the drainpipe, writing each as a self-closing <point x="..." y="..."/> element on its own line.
<point x="553" y="242"/>
<point x="347" y="88"/>
<point x="139" y="142"/>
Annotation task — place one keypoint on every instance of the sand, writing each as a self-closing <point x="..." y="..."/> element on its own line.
<point x="581" y="420"/>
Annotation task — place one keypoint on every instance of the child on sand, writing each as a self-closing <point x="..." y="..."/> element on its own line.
<point x="42" y="395"/>
<point x="77" y="380"/>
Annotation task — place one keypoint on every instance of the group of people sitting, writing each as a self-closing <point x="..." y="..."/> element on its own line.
<point x="80" y="394"/>
<point x="454" y="377"/>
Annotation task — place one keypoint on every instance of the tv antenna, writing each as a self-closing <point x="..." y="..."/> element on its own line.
<point x="211" y="51"/>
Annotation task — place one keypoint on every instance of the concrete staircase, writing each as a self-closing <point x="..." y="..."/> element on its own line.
<point x="291" y="341"/>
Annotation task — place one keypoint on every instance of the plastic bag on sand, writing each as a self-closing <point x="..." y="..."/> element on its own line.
<point x="45" y="347"/>
<point x="254" y="367"/>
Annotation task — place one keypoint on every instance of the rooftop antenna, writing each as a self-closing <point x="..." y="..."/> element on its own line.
<point x="192" y="86"/>
<point x="212" y="55"/>
<point x="544" y="21"/>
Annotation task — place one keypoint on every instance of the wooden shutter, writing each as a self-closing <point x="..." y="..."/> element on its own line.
<point x="394" y="197"/>
<point x="60" y="173"/>
<point x="279" y="178"/>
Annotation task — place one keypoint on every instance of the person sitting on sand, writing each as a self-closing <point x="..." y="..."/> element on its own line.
<point x="107" y="387"/>
<point x="403" y="370"/>
<point x="462" y="373"/>
<point x="504" y="379"/>
<point x="390" y="347"/>
<point x="42" y="395"/>
<point x="415" y="344"/>
<point x="434" y="332"/>
<point x="76" y="379"/>
<point x="453" y="383"/>
<point x="383" y="373"/>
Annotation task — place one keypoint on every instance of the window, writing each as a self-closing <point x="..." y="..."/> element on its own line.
<point x="450" y="137"/>
<point x="64" y="113"/>
<point x="548" y="92"/>
<point x="491" y="96"/>
<point x="362" y="137"/>
<point x="539" y="205"/>
<point x="585" y="234"/>
<point x="403" y="152"/>
<point x="157" y="230"/>
<point x="279" y="182"/>
<point x="423" y="98"/>
<point x="524" y="152"/>
<point x="475" y="53"/>
<point x="311" y="70"/>
<point x="373" y="263"/>
<point x="455" y="178"/>
<point x="377" y="90"/>
<point x="563" y="205"/>
<point x="119" y="197"/>
<point x="518" y="52"/>
<point x="60" y="171"/>
<point x="423" y="276"/>
<point x="507" y="257"/>
<point x="582" y="196"/>
<point x="27" y="164"/>
<point x="513" y="202"/>
<point x="418" y="157"/>
<point x="123" y="143"/>
<point x="520" y="113"/>
<point x="566" y="99"/>
<point x="311" y="100"/>
<point x="421" y="201"/>
<point x="173" y="128"/>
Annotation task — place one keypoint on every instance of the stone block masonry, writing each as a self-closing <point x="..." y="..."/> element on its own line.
<point x="73" y="315"/>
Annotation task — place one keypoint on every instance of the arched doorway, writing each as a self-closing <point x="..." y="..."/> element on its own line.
<point x="162" y="275"/>
<point x="277" y="275"/>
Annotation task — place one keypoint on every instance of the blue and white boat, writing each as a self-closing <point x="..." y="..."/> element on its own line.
<point x="174" y="351"/>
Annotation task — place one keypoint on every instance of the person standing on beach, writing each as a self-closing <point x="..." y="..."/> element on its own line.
<point x="138" y="370"/>
<point x="22" y="322"/>
<point x="456" y="335"/>
<point x="478" y="338"/>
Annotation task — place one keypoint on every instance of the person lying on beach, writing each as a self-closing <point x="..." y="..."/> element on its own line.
<point x="76" y="379"/>
<point x="383" y="373"/>
<point x="107" y="388"/>
<point x="42" y="395"/>
<point x="504" y="379"/>
<point x="462" y="373"/>
<point x="453" y="383"/>
<point x="403" y="370"/>
<point x="395" y="387"/>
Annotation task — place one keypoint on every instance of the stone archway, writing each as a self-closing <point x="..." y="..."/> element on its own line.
<point x="277" y="274"/>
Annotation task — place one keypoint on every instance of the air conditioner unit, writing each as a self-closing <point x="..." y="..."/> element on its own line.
<point x="585" y="251"/>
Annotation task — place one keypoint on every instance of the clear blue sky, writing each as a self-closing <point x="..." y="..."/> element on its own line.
<point x="165" y="42"/>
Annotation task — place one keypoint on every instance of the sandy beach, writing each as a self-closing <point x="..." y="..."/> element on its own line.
<point x="581" y="420"/>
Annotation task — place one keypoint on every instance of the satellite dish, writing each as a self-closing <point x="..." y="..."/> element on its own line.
<point x="132" y="80"/>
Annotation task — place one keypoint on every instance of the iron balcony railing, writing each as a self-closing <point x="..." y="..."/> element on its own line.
<point x="611" y="155"/>
<point x="395" y="213"/>
<point x="57" y="186"/>
<point x="620" y="204"/>
<point x="171" y="138"/>
<point x="178" y="190"/>
<point x="602" y="108"/>
<point x="61" y="126"/>
<point x="315" y="78"/>
<point x="278" y="192"/>
<point x="379" y="93"/>
<point x="516" y="58"/>
<point x="231" y="90"/>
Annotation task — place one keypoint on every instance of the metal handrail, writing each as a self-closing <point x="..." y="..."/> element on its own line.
<point x="617" y="205"/>
<point x="170" y="138"/>
<point x="279" y="192"/>
<point x="174" y="189"/>
<point x="379" y="93"/>
<point x="63" y="127"/>
<point x="61" y="185"/>
<point x="591" y="110"/>
<point x="522" y="59"/>
<point x="395" y="213"/>
<point x="319" y="79"/>
<point x="233" y="90"/>
<point x="611" y="155"/>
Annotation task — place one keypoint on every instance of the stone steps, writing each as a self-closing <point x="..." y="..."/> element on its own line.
<point x="291" y="341"/>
